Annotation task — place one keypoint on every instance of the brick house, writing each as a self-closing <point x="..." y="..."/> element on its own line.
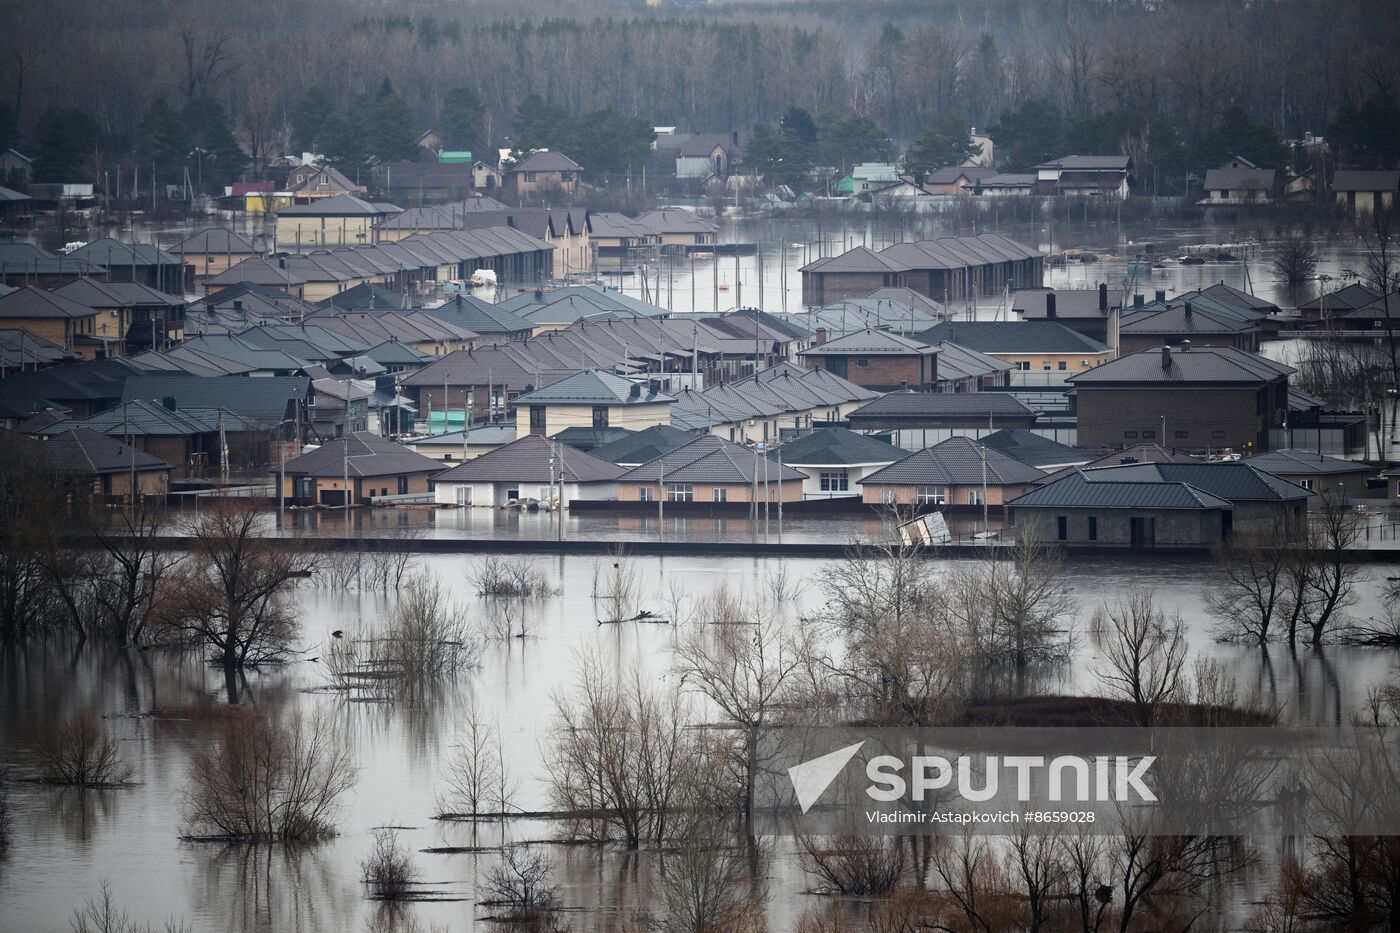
<point x="957" y="472"/>
<point x="877" y="359"/>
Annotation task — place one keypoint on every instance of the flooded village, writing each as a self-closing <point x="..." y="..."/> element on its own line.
<point x="636" y="467"/>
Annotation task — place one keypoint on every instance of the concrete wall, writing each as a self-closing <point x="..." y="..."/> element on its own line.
<point x="494" y="495"/>
<point x="1173" y="527"/>
<point x="812" y="488"/>
<point x="558" y="417"/>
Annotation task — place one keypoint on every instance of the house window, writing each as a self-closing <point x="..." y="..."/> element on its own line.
<point x="975" y="497"/>
<point x="862" y="363"/>
<point x="1046" y="366"/>
<point x="1093" y="528"/>
<point x="1023" y="365"/>
<point x="1217" y="435"/>
<point x="835" y="481"/>
<point x="1063" y="365"/>
<point x="600" y="416"/>
<point x="1061" y="528"/>
<point x="536" y="419"/>
<point x="1180" y="435"/>
<point x="464" y="495"/>
<point x="1149" y="434"/>
<point x="1130" y="434"/>
<point x="931" y="495"/>
<point x="680" y="492"/>
<point x="644" y="494"/>
<point x="888" y="497"/>
<point x="719" y="494"/>
<point x="1305" y="483"/>
<point x="403" y="485"/>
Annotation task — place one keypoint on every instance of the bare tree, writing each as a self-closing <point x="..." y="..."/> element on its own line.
<point x="268" y="780"/>
<point x="388" y="870"/>
<point x="1251" y="586"/>
<point x="1015" y="610"/>
<point x="29" y="501"/>
<point x="1145" y="652"/>
<point x="1037" y="872"/>
<point x="749" y="672"/>
<point x="967" y="870"/>
<point x="102" y="915"/>
<point x="475" y="771"/>
<point x="233" y="596"/>
<point x="524" y="882"/>
<point x="78" y="751"/>
<point x="1295" y="260"/>
<point x="854" y="865"/>
<point x="1330" y="573"/>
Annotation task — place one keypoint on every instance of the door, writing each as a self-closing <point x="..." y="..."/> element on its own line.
<point x="836" y="365"/>
<point x="1143" y="531"/>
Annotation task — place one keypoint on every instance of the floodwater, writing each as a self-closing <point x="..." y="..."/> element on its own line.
<point x="67" y="842"/>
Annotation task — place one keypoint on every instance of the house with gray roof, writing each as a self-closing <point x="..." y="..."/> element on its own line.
<point x="926" y="418"/>
<point x="1239" y="181"/>
<point x="1332" y="478"/>
<point x="482" y="317"/>
<point x="1034" y="449"/>
<point x="529" y="468"/>
<point x="877" y="359"/>
<point x="591" y="398"/>
<point x="1363" y="193"/>
<point x="1209" y="398"/>
<point x="105" y="465"/>
<point x="637" y="447"/>
<point x="1041" y="352"/>
<point x="836" y="460"/>
<point x="143" y="263"/>
<point x="543" y="173"/>
<point x="460" y="446"/>
<point x="358" y="466"/>
<point x="1182" y="324"/>
<point x="711" y="470"/>
<point x="1137" y="513"/>
<point x="957" y="472"/>
<point x="267" y="401"/>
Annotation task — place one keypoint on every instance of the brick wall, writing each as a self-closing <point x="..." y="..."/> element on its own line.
<point x="882" y="371"/>
<point x="1107" y="414"/>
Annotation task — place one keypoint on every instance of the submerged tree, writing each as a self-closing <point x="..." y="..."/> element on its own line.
<point x="1145" y="652"/>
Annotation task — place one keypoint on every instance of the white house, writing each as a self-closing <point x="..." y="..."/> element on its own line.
<point x="835" y="461"/>
<point x="532" y="467"/>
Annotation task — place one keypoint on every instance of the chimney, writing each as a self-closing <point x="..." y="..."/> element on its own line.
<point x="734" y="137"/>
<point x="238" y="304"/>
<point x="904" y="385"/>
<point x="1050" y="305"/>
<point x="1187" y="310"/>
<point x="820" y="337"/>
<point x="1137" y="300"/>
<point x="539" y="293"/>
<point x="653" y="387"/>
<point x="170" y="403"/>
<point x="1103" y="297"/>
<point x="1161" y="295"/>
<point x="1166" y="358"/>
<point x="635" y="392"/>
<point x="281" y="262"/>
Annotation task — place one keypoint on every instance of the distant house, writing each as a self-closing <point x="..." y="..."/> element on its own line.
<point x="925" y="418"/>
<point x="677" y="227"/>
<point x="877" y="359"/>
<point x="373" y="466"/>
<point x="1240" y="181"/>
<point x="1032" y="448"/>
<point x="1147" y="512"/>
<point x="954" y="179"/>
<point x="1364" y="193"/>
<point x="1339" y="481"/>
<point x="1184" y="324"/>
<point x="1087" y="311"/>
<point x="16" y="168"/>
<point x="460" y="446"/>
<point x="1042" y="351"/>
<point x="699" y="155"/>
<point x="424" y="182"/>
<point x="147" y="319"/>
<point x="712" y="470"/>
<point x="80" y="457"/>
<point x="1329" y="304"/>
<point x="958" y="471"/>
<point x="614" y="234"/>
<point x="591" y="398"/>
<point x="1079" y="175"/>
<point x="142" y="263"/>
<point x="531" y="467"/>
<point x="634" y="448"/>
<point x="1003" y="185"/>
<point x="1197" y="399"/>
<point x="543" y="172"/>
<point x="210" y="252"/>
<point x="342" y="220"/>
<point x="836" y="460"/>
<point x="312" y="182"/>
<point x="91" y="333"/>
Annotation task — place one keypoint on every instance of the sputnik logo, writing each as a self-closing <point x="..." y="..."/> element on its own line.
<point x="810" y="779"/>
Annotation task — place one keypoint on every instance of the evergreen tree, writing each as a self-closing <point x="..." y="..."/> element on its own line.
<point x="168" y="135"/>
<point x="540" y="123"/>
<point x="67" y="140"/>
<point x="459" y="121"/>
<point x="308" y="116"/>
<point x="945" y="142"/>
<point x="606" y="142"/>
<point x="1237" y="135"/>
<point x="848" y="139"/>
<point x="340" y="143"/>
<point x="209" y="129"/>
<point x="1029" y="134"/>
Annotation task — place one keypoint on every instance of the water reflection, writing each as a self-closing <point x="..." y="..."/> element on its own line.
<point x="162" y="706"/>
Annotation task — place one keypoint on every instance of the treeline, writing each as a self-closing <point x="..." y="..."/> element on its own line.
<point x="78" y="79"/>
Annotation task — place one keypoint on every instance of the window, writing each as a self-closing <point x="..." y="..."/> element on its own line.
<point x="600" y="416"/>
<point x="464" y="495"/>
<point x="975" y="497"/>
<point x="1022" y="365"/>
<point x="862" y="362"/>
<point x="1130" y="434"/>
<point x="680" y="492"/>
<point x="719" y="494"/>
<point x="888" y="497"/>
<point x="1181" y="435"/>
<point x="1305" y="483"/>
<point x="1062" y="365"/>
<point x="835" y="481"/>
<point x="644" y="494"/>
<point x="536" y="419"/>
<point x="544" y="493"/>
<point x="1217" y="435"/>
<point x="1149" y="434"/>
<point x="931" y="495"/>
<point x="1046" y="366"/>
<point x="1061" y="528"/>
<point x="1093" y="528"/>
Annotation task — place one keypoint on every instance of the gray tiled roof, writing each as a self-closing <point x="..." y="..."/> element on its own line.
<point x="546" y="160"/>
<point x="216" y="240"/>
<point x="480" y="316"/>
<point x="1032" y="448"/>
<point x="1303" y="463"/>
<point x="1199" y="364"/>
<point x="954" y="404"/>
<point x="836" y="447"/>
<point x="710" y="459"/>
<point x="361" y="454"/>
<point x="528" y="461"/>
<point x="1176" y="320"/>
<point x="1233" y="480"/>
<point x="1013" y="337"/>
<point x="1239" y="179"/>
<point x="1074" y="491"/>
<point x="109" y="252"/>
<point x="22" y="350"/>
<point x="483" y="435"/>
<point x="638" y="447"/>
<point x="592" y="387"/>
<point x="1353" y="180"/>
<point x="1140" y="453"/>
<point x="264" y="400"/>
<point x="342" y="205"/>
<point x="153" y="419"/>
<point x="874" y="343"/>
<point x="86" y="453"/>
<point x="30" y="302"/>
<point x="589" y="439"/>
<point x="955" y="462"/>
